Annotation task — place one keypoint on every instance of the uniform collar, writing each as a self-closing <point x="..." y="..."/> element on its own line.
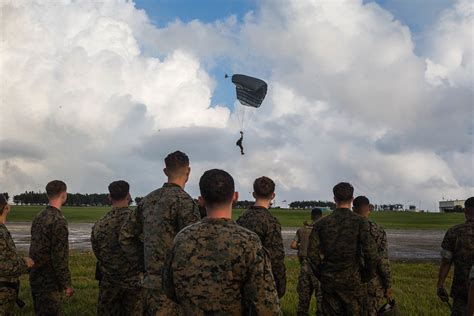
<point x="54" y="209"/>
<point x="171" y="185"/>
<point x="255" y="207"/>
<point x="217" y="220"/>
<point x="343" y="210"/>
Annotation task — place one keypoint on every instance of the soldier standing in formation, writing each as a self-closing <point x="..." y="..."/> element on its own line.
<point x="217" y="267"/>
<point x="259" y="220"/>
<point x="120" y="290"/>
<point x="12" y="265"/>
<point x="343" y="256"/>
<point x="50" y="277"/>
<point x="150" y="230"/>
<point x="307" y="281"/>
<point x="380" y="286"/>
<point x="458" y="249"/>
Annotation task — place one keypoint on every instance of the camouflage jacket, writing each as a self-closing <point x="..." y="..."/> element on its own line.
<point x="219" y="268"/>
<point x="471" y="275"/>
<point x="302" y="239"/>
<point x="458" y="247"/>
<point x="114" y="265"/>
<point x="382" y="279"/>
<point x="342" y="253"/>
<point x="148" y="234"/>
<point x="50" y="251"/>
<point x="268" y="228"/>
<point x="12" y="265"/>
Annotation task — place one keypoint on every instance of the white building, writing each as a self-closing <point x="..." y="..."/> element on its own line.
<point x="450" y="205"/>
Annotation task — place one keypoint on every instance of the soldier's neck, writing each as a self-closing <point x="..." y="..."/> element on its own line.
<point x="56" y="203"/>
<point x="220" y="213"/>
<point x="179" y="182"/>
<point x="3" y="219"/>
<point x="263" y="203"/>
<point x="120" y="204"/>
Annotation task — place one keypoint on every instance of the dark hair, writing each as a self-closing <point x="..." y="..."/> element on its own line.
<point x="343" y="192"/>
<point x="316" y="213"/>
<point x="360" y="201"/>
<point x="217" y="187"/>
<point x="119" y="190"/>
<point x="469" y="203"/>
<point x="264" y="187"/>
<point x="176" y="161"/>
<point x="54" y="188"/>
<point x="3" y="203"/>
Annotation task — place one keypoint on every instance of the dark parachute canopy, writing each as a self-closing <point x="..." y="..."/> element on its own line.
<point x="250" y="91"/>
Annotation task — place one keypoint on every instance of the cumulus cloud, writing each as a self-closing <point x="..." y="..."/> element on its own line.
<point x="109" y="95"/>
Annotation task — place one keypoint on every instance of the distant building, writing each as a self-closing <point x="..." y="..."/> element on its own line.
<point x="451" y="206"/>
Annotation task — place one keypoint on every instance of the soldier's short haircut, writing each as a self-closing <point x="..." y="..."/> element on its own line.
<point x="469" y="204"/>
<point x="55" y="188"/>
<point x="343" y="192"/>
<point x="264" y="187"/>
<point x="316" y="213"/>
<point x="360" y="201"/>
<point x="119" y="190"/>
<point x="3" y="203"/>
<point x="217" y="187"/>
<point x="176" y="161"/>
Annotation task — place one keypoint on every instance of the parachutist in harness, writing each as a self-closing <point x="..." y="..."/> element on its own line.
<point x="239" y="143"/>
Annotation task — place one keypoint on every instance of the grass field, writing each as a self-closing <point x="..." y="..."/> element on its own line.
<point x="414" y="288"/>
<point x="288" y="218"/>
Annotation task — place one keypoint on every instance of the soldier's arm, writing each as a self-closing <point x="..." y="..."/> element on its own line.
<point x="187" y="213"/>
<point x="296" y="241"/>
<point x="168" y="283"/>
<point x="447" y="251"/>
<point x="131" y="237"/>
<point x="259" y="289"/>
<point x="11" y="264"/>
<point x="384" y="264"/>
<point x="315" y="254"/>
<point x="60" y="253"/>
<point x="370" y="253"/>
<point x="274" y="244"/>
<point x="94" y="244"/>
<point x="470" y="304"/>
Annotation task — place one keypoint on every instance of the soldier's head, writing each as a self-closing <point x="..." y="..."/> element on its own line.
<point x="316" y="214"/>
<point x="119" y="193"/>
<point x="217" y="193"/>
<point x="343" y="194"/>
<point x="4" y="206"/>
<point x="177" y="167"/>
<point x="469" y="207"/>
<point x="264" y="189"/>
<point x="56" y="191"/>
<point x="361" y="206"/>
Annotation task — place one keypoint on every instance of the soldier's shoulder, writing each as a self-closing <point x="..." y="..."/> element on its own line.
<point x="376" y="227"/>
<point x="457" y="229"/>
<point x="3" y="230"/>
<point x="189" y="230"/>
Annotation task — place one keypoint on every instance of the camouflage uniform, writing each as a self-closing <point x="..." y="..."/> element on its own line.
<point x="149" y="232"/>
<point x="382" y="280"/>
<point x="120" y="285"/>
<point x="267" y="227"/>
<point x="458" y="248"/>
<point x="49" y="249"/>
<point x="343" y="257"/>
<point x="216" y="268"/>
<point x="11" y="267"/>
<point x="307" y="281"/>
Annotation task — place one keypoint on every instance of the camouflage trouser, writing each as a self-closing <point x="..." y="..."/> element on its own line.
<point x="116" y="300"/>
<point x="7" y="301"/>
<point x="375" y="301"/>
<point x="157" y="303"/>
<point x="307" y="284"/>
<point x="459" y="307"/>
<point x="343" y="303"/>
<point x="47" y="303"/>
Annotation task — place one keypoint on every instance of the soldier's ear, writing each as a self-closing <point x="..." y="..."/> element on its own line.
<point x="254" y="195"/>
<point x="110" y="198"/>
<point x="273" y="195"/>
<point x="236" y="197"/>
<point x="201" y="202"/>
<point x="165" y="172"/>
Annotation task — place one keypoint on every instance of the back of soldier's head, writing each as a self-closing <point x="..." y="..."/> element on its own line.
<point x="361" y="204"/>
<point x="264" y="188"/>
<point x="217" y="188"/>
<point x="316" y="213"/>
<point x="119" y="190"/>
<point x="3" y="203"/>
<point x="55" y="188"/>
<point x="176" y="164"/>
<point x="469" y="206"/>
<point x="343" y="192"/>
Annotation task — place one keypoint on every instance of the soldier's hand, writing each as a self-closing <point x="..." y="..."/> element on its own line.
<point x="69" y="292"/>
<point x="442" y="294"/>
<point x="29" y="262"/>
<point x="388" y="294"/>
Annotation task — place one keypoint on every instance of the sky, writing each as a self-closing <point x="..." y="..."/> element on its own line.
<point x="377" y="93"/>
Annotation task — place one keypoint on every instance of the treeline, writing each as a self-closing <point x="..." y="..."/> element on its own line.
<point x="312" y="204"/>
<point x="73" y="199"/>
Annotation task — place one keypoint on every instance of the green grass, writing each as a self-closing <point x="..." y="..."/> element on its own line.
<point x="413" y="284"/>
<point x="288" y="218"/>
